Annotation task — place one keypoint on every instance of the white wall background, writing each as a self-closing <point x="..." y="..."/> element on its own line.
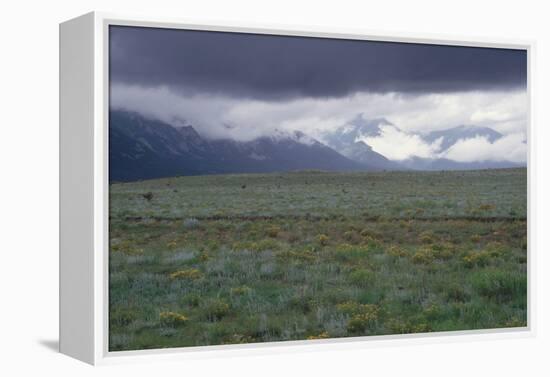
<point x="29" y="183"/>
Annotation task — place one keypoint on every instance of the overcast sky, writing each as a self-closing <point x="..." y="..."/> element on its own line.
<point x="245" y="85"/>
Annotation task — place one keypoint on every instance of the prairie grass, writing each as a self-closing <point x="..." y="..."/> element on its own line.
<point x="406" y="252"/>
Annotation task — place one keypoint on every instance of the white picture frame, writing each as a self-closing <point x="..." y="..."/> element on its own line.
<point x="84" y="192"/>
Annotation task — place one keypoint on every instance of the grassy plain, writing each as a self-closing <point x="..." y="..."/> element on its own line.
<point x="228" y="259"/>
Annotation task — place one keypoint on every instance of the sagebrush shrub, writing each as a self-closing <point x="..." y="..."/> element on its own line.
<point x="426" y="237"/>
<point x="361" y="322"/>
<point x="240" y="291"/>
<point x="475" y="238"/>
<point x="126" y="247"/>
<point x="486" y="207"/>
<point x="189" y="274"/>
<point x="353" y="308"/>
<point x="423" y="256"/>
<point x="396" y="251"/>
<point x="273" y="231"/>
<point x="399" y="326"/>
<point x="323" y="335"/>
<point x="476" y="258"/>
<point x="323" y="239"/>
<point x="362" y="316"/>
<point x="172" y="319"/>
<point x="216" y="309"/>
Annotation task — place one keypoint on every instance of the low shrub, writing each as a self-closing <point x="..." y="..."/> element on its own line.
<point x="426" y="237"/>
<point x="476" y="258"/>
<point x="125" y="247"/>
<point x="423" y="256"/>
<point x="192" y="299"/>
<point x="432" y="312"/>
<point x="443" y="251"/>
<point x="363" y="316"/>
<point x="346" y="252"/>
<point x="203" y="256"/>
<point x="147" y="196"/>
<point x="396" y="251"/>
<point x="172" y="319"/>
<point x="241" y="339"/>
<point x="398" y="326"/>
<point x="495" y="249"/>
<point x="456" y="293"/>
<point x="486" y="207"/>
<point x="301" y="302"/>
<point x="419" y="211"/>
<point x="475" y="238"/>
<point x="189" y="274"/>
<point x="358" y="324"/>
<point x="122" y="316"/>
<point x="215" y="309"/>
<point x="367" y="232"/>
<point x="323" y="335"/>
<point x="267" y="244"/>
<point x="515" y="322"/>
<point x="240" y="291"/>
<point x="352" y="236"/>
<point x="352" y="308"/>
<point x="298" y="255"/>
<point x="273" y="231"/>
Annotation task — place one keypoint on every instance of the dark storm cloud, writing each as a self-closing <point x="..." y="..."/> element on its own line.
<point x="266" y="66"/>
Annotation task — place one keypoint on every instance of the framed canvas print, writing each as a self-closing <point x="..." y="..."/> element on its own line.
<point x="233" y="188"/>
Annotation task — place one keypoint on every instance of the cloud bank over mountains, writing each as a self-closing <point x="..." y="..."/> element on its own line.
<point x="219" y="117"/>
<point x="244" y="86"/>
<point x="509" y="148"/>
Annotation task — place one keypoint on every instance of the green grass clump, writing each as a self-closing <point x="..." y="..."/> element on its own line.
<point x="361" y="277"/>
<point x="348" y="253"/>
<point x="499" y="285"/>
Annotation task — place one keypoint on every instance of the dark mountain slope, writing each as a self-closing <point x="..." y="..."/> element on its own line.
<point x="141" y="148"/>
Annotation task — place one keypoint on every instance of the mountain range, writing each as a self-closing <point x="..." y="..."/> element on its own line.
<point x="143" y="148"/>
<point x="350" y="140"/>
